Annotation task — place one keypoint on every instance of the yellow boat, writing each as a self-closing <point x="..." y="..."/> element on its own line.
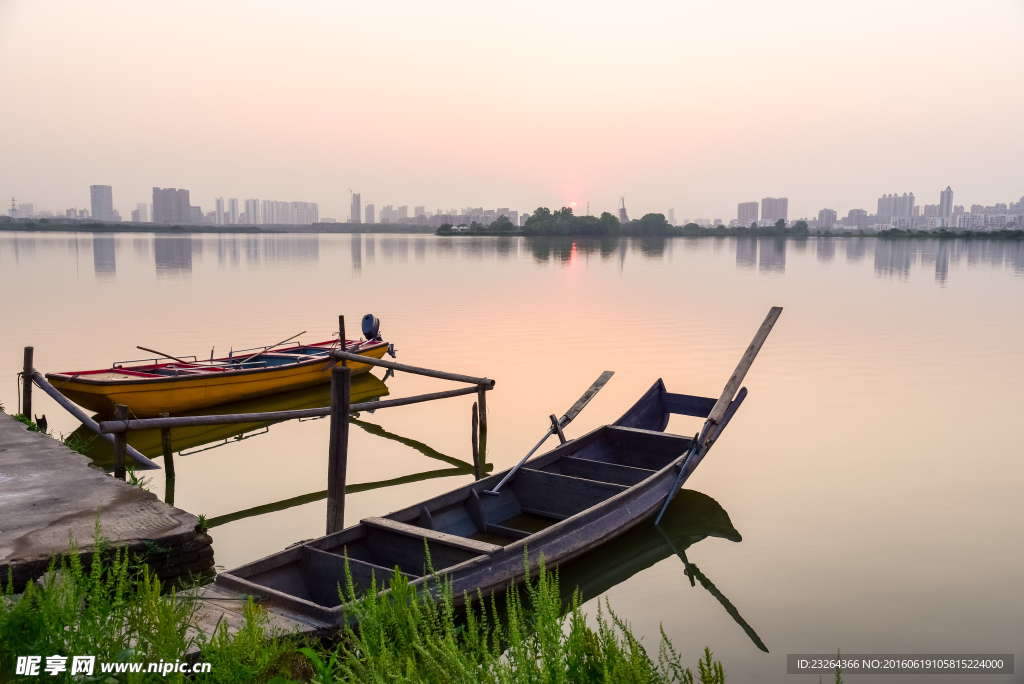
<point x="365" y="387"/>
<point x="149" y="389"/>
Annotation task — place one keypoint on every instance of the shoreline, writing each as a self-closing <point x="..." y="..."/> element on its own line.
<point x="385" y="229"/>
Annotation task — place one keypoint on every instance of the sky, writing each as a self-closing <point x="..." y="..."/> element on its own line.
<point x="694" y="106"/>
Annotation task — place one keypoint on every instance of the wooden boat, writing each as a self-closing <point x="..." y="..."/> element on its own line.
<point x="150" y="388"/>
<point x="571" y="500"/>
<point x="365" y="387"/>
<point x="562" y="504"/>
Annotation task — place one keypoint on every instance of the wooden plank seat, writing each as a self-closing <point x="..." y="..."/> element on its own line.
<point x="599" y="471"/>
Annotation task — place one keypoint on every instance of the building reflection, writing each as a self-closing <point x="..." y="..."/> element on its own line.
<point x="746" y="253"/>
<point x="300" y="249"/>
<point x="371" y="249"/>
<point x="894" y="257"/>
<point x="104" y="259"/>
<point x="856" y="249"/>
<point x="173" y="255"/>
<point x="228" y="250"/>
<point x="356" y="242"/>
<point x="826" y="249"/>
<point x="772" y="255"/>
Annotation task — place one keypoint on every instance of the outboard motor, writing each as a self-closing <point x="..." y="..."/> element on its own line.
<point x="371" y="328"/>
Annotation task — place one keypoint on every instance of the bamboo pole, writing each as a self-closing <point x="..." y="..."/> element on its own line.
<point x="481" y="400"/>
<point x="120" y="442"/>
<point x="337" y="459"/>
<point x="88" y="422"/>
<point x="114" y="426"/>
<point x="443" y="375"/>
<point x="26" y="384"/>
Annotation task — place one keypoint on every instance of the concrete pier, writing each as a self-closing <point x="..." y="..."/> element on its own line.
<point x="48" y="492"/>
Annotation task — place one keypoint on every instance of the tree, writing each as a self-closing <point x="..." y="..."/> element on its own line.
<point x="653" y="224"/>
<point x="781" y="224"/>
<point x="503" y="225"/>
<point x="753" y="225"/>
<point x="444" y="229"/>
<point x="609" y="223"/>
<point x="800" y="227"/>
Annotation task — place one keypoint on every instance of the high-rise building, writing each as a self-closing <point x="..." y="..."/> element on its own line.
<point x="774" y="208"/>
<point x="672" y="217"/>
<point x="827" y="219"/>
<point x="290" y="213"/>
<point x="171" y="206"/>
<point x="403" y="212"/>
<point x="218" y="211"/>
<point x="746" y="213"/>
<point x="946" y="203"/>
<point x="370" y="214"/>
<point x="357" y="212"/>
<point x="102" y="202"/>
<point x="893" y="205"/>
<point x="857" y="218"/>
<point x="422" y="211"/>
<point x="26" y="210"/>
<point x="141" y="210"/>
<point x="232" y="215"/>
<point x="252" y="212"/>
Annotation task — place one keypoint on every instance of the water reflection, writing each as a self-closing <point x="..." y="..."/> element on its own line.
<point x="746" y="253"/>
<point x="772" y="253"/>
<point x="826" y="249"/>
<point x="104" y="260"/>
<point x="690" y="518"/>
<point x="173" y="255"/>
<point x="357" y="253"/>
<point x="228" y="250"/>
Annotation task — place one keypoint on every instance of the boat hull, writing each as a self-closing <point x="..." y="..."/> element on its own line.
<point x="148" y="397"/>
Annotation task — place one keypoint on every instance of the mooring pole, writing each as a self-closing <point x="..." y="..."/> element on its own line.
<point x="474" y="437"/>
<point x="26" y="385"/>
<point x="165" y="441"/>
<point x="120" y="442"/>
<point x="337" y="460"/>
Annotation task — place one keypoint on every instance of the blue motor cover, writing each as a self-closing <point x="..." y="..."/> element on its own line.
<point x="371" y="327"/>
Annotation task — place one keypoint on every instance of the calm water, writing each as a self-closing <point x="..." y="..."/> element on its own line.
<point x="874" y="472"/>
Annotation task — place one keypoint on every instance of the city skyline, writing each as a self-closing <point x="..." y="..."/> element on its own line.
<point x="734" y="118"/>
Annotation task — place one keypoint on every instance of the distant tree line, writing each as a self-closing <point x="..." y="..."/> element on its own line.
<point x="564" y="223"/>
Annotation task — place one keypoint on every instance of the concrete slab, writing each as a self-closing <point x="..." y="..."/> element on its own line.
<point x="48" y="492"/>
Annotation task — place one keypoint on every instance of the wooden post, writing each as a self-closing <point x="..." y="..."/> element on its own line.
<point x="341" y="338"/>
<point x="165" y="441"/>
<point x="482" y="400"/>
<point x="478" y="464"/>
<point x="26" y="385"/>
<point x="120" y="442"/>
<point x="337" y="459"/>
<point x="474" y="437"/>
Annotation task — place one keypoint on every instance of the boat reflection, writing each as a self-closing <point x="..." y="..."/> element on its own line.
<point x="691" y="517"/>
<point x="190" y="440"/>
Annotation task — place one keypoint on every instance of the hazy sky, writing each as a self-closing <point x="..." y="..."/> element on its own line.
<point x="691" y="105"/>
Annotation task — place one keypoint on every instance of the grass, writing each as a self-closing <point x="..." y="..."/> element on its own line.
<point x="117" y="610"/>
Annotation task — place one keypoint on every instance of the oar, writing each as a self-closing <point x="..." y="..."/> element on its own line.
<point x="556" y="426"/>
<point x="266" y="349"/>
<point x="717" y="419"/>
<point x="166" y="356"/>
